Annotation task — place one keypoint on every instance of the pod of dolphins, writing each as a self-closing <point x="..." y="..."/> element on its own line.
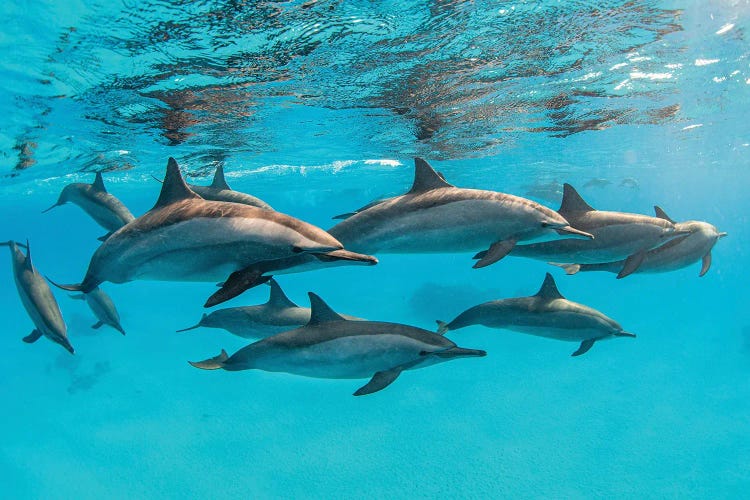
<point x="215" y="234"/>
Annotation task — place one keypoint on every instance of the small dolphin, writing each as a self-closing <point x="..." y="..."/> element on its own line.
<point x="597" y="183"/>
<point x="255" y="274"/>
<point x="546" y="191"/>
<point x="617" y="236"/>
<point x="675" y="254"/>
<point x="37" y="299"/>
<point x="435" y="216"/>
<point x="546" y="314"/>
<point x="105" y="209"/>
<point x="329" y="346"/>
<point x="187" y="238"/>
<point x="103" y="308"/>
<point x="219" y="190"/>
<point x="277" y="315"/>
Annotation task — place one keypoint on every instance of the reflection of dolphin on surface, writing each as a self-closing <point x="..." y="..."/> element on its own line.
<point x="546" y="314"/>
<point x="617" y="236"/>
<point x="105" y="209"/>
<point x="435" y="217"/>
<point x="37" y="299"/>
<point x="187" y="238"/>
<point x="277" y="315"/>
<point x="329" y="346"/>
<point x="675" y="254"/>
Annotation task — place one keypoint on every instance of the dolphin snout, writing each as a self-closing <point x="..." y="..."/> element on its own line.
<point x="57" y="204"/>
<point x="460" y="352"/>
<point x="576" y="233"/>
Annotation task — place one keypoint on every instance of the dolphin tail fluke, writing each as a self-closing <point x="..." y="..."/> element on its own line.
<point x="584" y="348"/>
<point x="379" y="381"/>
<point x="497" y="251"/>
<point x="442" y="327"/>
<point x="85" y="286"/>
<point x="569" y="269"/>
<point x="211" y="363"/>
<point x="197" y="325"/>
<point x="236" y="283"/>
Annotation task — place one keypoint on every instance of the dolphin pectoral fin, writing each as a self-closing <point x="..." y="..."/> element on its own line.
<point x="584" y="348"/>
<point x="497" y="251"/>
<point x="379" y="381"/>
<point x="706" y="264"/>
<point x="480" y="255"/>
<point x="32" y="337"/>
<point x="236" y="283"/>
<point x="97" y="325"/>
<point x="442" y="327"/>
<point x="106" y="236"/>
<point x="632" y="264"/>
<point x="211" y="363"/>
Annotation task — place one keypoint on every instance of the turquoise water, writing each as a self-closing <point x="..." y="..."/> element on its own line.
<point x="319" y="108"/>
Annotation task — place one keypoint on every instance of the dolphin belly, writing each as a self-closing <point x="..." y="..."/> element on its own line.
<point x="104" y="215"/>
<point x="358" y="356"/>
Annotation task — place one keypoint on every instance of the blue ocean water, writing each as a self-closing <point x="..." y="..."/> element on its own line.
<point x="319" y="108"/>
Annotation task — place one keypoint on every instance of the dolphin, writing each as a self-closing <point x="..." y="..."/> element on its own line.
<point x="546" y="314"/>
<point x="435" y="216"/>
<point x="277" y="315"/>
<point x="219" y="190"/>
<point x="103" y="308"/>
<point x="329" y="346"/>
<point x="186" y="238"/>
<point x="675" y="254"/>
<point x="261" y="272"/>
<point x="617" y="236"/>
<point x="105" y="209"/>
<point x="597" y="183"/>
<point x="37" y="299"/>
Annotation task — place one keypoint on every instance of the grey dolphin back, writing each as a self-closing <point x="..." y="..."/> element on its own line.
<point x="426" y="178"/>
<point x="98" y="183"/>
<point x="219" y="181"/>
<point x="173" y="188"/>
<point x="572" y="202"/>
<point x="277" y="297"/>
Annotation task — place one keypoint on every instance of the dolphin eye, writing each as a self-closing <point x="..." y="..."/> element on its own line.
<point x="296" y="249"/>
<point x="545" y="224"/>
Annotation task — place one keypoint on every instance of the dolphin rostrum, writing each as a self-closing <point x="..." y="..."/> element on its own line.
<point x="186" y="238"/>
<point x="103" y="308"/>
<point x="617" y="236"/>
<point x="219" y="190"/>
<point x="37" y="299"/>
<point x="546" y="314"/>
<point x="435" y="216"/>
<point x="675" y="254"/>
<point x="277" y="315"/>
<point x="105" y="209"/>
<point x="329" y="346"/>
<point x="261" y="272"/>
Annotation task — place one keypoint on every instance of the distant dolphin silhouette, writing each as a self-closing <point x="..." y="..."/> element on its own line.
<point x="546" y="314"/>
<point x="186" y="238"/>
<point x="329" y="346"/>
<point x="435" y="216"/>
<point x="105" y="209"/>
<point x="37" y="299"/>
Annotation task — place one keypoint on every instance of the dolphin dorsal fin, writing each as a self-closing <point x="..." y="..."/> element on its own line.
<point x="174" y="188"/>
<point x="320" y="312"/>
<point x="662" y="214"/>
<point x="219" y="181"/>
<point x="572" y="201"/>
<point x="27" y="262"/>
<point x="98" y="184"/>
<point x="278" y="297"/>
<point x="549" y="289"/>
<point x="425" y="178"/>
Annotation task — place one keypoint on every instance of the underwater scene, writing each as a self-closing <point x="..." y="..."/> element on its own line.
<point x="398" y="249"/>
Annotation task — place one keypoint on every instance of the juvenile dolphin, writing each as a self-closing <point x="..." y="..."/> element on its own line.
<point x="219" y="190"/>
<point x="261" y="272"/>
<point x="277" y="315"/>
<point x="103" y="308"/>
<point x="435" y="216"/>
<point x="675" y="254"/>
<point x="617" y="236"/>
<point x="187" y="238"/>
<point x="329" y="346"/>
<point x="105" y="209"/>
<point x="546" y="314"/>
<point x="37" y="299"/>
